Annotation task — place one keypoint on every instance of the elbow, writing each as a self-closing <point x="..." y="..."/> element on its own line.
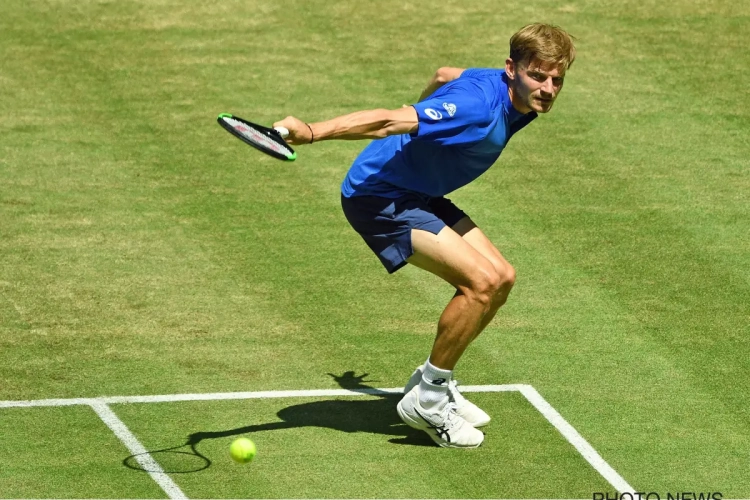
<point x="385" y="122"/>
<point x="446" y="74"/>
<point x="442" y="75"/>
<point x="398" y="122"/>
<point x="373" y="124"/>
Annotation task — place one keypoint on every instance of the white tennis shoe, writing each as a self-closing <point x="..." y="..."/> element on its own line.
<point x="464" y="408"/>
<point x="445" y="427"/>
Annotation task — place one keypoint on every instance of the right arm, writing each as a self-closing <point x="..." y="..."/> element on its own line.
<point x="372" y="124"/>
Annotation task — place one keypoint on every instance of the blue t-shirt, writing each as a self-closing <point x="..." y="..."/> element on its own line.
<point x="463" y="127"/>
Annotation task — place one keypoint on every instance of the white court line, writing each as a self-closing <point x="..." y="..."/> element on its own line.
<point x="140" y="453"/>
<point x="218" y="396"/>
<point x="117" y="426"/>
<point x="45" y="402"/>
<point x="580" y="444"/>
<point x="221" y="396"/>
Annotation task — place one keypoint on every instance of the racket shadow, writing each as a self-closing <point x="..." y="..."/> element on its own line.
<point x="372" y="416"/>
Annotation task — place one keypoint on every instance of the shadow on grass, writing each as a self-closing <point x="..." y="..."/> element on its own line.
<point x="374" y="416"/>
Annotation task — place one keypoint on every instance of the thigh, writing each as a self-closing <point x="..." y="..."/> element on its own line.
<point x="474" y="236"/>
<point x="450" y="257"/>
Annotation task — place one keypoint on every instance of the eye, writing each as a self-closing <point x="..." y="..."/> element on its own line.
<point x="557" y="81"/>
<point x="538" y="77"/>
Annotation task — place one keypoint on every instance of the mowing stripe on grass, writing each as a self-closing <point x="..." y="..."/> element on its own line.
<point x="119" y="428"/>
<point x="138" y="451"/>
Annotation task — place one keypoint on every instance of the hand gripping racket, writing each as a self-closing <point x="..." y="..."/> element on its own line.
<point x="268" y="140"/>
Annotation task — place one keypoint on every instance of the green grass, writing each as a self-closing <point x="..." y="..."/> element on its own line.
<point x="65" y="452"/>
<point x="306" y="448"/>
<point x="145" y="251"/>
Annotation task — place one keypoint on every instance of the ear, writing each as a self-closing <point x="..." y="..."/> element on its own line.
<point x="510" y="68"/>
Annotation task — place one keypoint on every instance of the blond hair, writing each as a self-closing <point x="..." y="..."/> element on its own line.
<point x="543" y="42"/>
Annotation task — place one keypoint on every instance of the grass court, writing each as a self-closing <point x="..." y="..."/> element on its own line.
<point x="145" y="252"/>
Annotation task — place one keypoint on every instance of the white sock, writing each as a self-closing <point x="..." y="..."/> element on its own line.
<point x="425" y="364"/>
<point x="433" y="389"/>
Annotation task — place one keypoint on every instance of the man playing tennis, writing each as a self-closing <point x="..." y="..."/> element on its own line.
<point x="393" y="196"/>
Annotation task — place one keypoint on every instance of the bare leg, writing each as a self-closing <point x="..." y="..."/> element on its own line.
<point x="477" y="282"/>
<point x="477" y="239"/>
<point x="464" y="257"/>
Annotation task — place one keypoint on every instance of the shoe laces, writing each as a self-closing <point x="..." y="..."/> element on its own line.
<point x="450" y="416"/>
<point x="455" y="396"/>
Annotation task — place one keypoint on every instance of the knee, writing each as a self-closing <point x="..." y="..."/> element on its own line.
<point x="486" y="286"/>
<point x="506" y="278"/>
<point x="492" y="284"/>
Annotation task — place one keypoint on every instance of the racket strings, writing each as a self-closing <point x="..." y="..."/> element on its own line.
<point x="257" y="137"/>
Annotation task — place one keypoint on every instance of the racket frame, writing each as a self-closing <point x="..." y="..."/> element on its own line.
<point x="272" y="134"/>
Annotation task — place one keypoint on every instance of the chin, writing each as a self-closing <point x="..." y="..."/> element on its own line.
<point x="541" y="109"/>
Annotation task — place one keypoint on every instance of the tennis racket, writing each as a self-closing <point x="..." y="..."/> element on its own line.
<point x="268" y="140"/>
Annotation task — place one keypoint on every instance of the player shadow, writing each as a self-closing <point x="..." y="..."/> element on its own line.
<point x="373" y="416"/>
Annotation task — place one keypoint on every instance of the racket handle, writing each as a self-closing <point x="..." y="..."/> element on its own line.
<point x="283" y="131"/>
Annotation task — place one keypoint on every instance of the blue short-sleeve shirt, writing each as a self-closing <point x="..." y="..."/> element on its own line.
<point x="463" y="127"/>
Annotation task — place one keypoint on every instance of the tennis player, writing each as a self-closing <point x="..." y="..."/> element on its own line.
<point x="394" y="197"/>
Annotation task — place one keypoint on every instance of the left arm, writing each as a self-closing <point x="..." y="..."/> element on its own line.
<point x="441" y="77"/>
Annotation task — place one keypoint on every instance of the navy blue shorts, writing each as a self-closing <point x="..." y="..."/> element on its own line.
<point x="386" y="223"/>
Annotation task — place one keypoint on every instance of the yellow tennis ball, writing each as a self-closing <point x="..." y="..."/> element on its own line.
<point x="242" y="450"/>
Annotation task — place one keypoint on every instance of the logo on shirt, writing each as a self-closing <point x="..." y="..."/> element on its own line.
<point x="435" y="115"/>
<point x="450" y="108"/>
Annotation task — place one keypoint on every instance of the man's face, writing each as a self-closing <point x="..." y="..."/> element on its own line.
<point x="534" y="86"/>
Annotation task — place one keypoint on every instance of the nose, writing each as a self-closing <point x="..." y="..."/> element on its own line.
<point x="548" y="87"/>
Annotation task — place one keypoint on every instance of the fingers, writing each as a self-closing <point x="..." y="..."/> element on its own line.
<point x="283" y="131"/>
<point x="299" y="132"/>
<point x="286" y="122"/>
